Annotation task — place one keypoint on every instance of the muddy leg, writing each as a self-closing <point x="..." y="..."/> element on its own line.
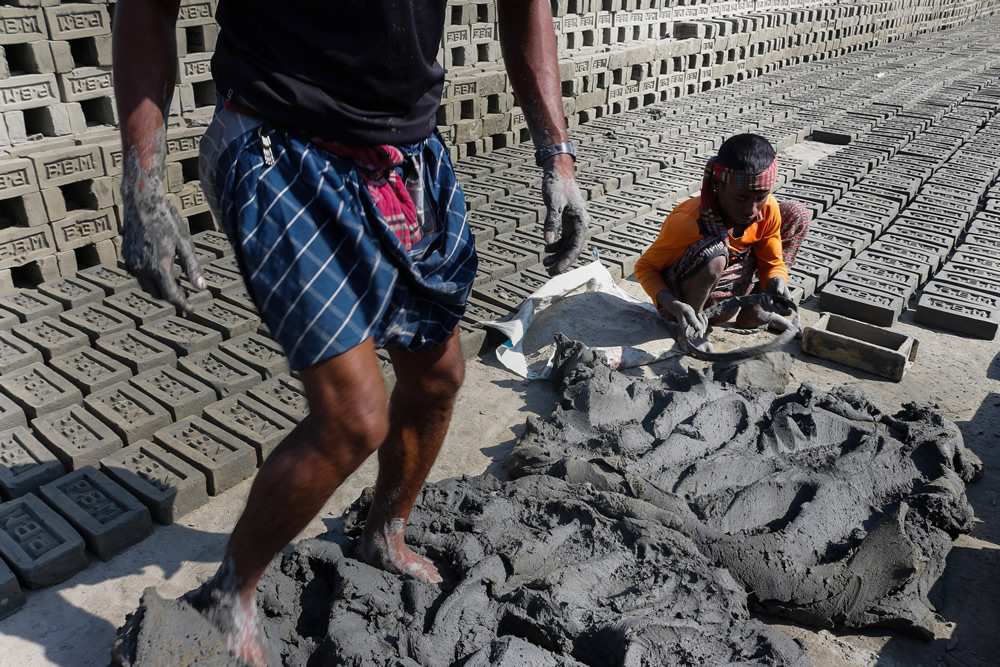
<point x="347" y="422"/>
<point x="419" y="412"/>
<point x="696" y="290"/>
<point x="751" y="317"/>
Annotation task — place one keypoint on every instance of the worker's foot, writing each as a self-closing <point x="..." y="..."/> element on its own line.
<point x="724" y="316"/>
<point x="753" y="317"/>
<point x="701" y="343"/>
<point x="235" y="617"/>
<point x="384" y="548"/>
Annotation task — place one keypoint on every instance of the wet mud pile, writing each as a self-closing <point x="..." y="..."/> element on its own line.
<point x="828" y="511"/>
<point x="537" y="571"/>
<point x="646" y="520"/>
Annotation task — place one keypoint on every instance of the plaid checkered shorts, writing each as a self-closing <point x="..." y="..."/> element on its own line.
<point x="323" y="267"/>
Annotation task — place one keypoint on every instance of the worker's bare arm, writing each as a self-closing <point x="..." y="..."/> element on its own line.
<point x="145" y="66"/>
<point x="529" y="48"/>
<point x="145" y="61"/>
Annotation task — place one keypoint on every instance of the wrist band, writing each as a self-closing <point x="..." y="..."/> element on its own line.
<point x="543" y="154"/>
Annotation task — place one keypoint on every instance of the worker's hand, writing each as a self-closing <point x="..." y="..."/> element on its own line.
<point x="567" y="215"/>
<point x="695" y="326"/>
<point x="153" y="234"/>
<point x="777" y="298"/>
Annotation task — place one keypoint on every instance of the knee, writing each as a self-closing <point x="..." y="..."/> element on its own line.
<point x="347" y="416"/>
<point x="436" y="388"/>
<point x="441" y="386"/>
<point x="711" y="271"/>
<point x="355" y="423"/>
<point x="716" y="266"/>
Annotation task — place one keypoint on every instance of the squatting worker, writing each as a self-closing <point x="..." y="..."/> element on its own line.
<point x="711" y="246"/>
<point x="325" y="169"/>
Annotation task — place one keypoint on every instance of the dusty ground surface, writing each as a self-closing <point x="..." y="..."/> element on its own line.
<point x="74" y="623"/>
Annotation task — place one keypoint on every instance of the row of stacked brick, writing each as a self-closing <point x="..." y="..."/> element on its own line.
<point x="115" y="411"/>
<point x="60" y="208"/>
<point x="618" y="55"/>
<point x="964" y="295"/>
<point x="55" y="77"/>
<point x="55" y="74"/>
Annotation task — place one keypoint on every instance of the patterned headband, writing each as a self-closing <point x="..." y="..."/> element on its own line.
<point x="765" y="180"/>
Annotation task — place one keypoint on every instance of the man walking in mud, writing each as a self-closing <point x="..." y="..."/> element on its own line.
<point x="324" y="167"/>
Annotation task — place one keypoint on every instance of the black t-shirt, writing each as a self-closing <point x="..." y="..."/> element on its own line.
<point x="362" y="72"/>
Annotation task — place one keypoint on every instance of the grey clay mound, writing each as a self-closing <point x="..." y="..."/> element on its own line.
<point x="648" y="518"/>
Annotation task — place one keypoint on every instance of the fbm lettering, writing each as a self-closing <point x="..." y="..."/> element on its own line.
<point x="14" y="179"/>
<point x="91" y="84"/>
<point x="192" y="199"/>
<point x="89" y="227"/>
<point x="28" y="532"/>
<point x="194" y="12"/>
<point x="92" y="500"/>
<point x="27" y="93"/>
<point x="69" y="166"/>
<point x="79" y="21"/>
<point x="19" y="248"/>
<point x="182" y="144"/>
<point x="197" y="68"/>
<point x="20" y="25"/>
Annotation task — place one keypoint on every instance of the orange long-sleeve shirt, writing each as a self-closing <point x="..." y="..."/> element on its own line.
<point x="680" y="229"/>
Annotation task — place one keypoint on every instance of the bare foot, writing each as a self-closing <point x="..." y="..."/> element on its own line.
<point x="724" y="316"/>
<point x="751" y="317"/>
<point x="702" y="344"/>
<point x="234" y="616"/>
<point x="385" y="549"/>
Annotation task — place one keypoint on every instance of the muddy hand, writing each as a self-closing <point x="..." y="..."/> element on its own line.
<point x="153" y="235"/>
<point x="777" y="298"/>
<point x="693" y="324"/>
<point x="567" y="215"/>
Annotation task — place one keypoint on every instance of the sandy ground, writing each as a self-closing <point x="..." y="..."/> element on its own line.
<point x="74" y="623"/>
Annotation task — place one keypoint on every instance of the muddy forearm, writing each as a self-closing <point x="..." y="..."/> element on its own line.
<point x="154" y="236"/>
<point x="144" y="188"/>
<point x="667" y="302"/>
<point x="528" y="42"/>
<point x="145" y="71"/>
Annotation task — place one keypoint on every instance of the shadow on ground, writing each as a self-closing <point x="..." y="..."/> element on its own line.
<point x="968" y="595"/>
<point x="91" y="640"/>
